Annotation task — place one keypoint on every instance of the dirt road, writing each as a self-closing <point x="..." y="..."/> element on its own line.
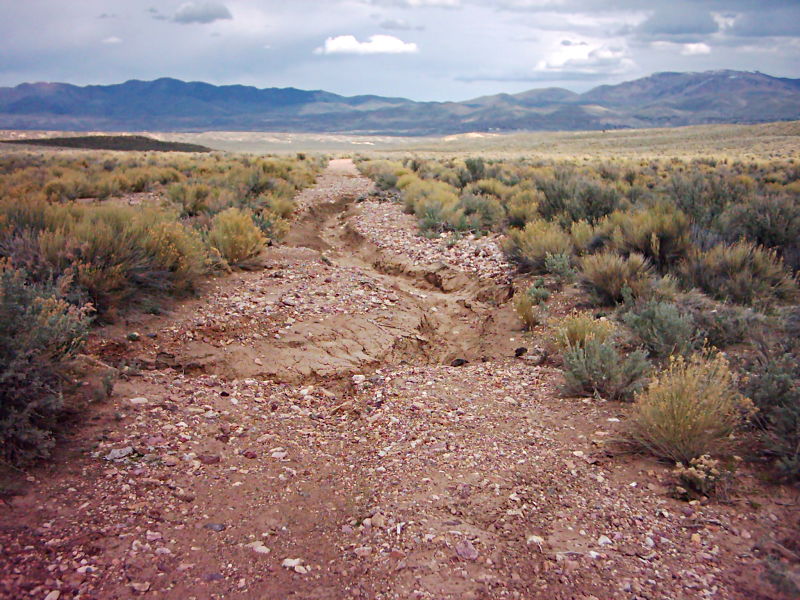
<point x="299" y="432"/>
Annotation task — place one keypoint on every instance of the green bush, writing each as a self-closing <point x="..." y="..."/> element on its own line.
<point x="38" y="332"/>
<point x="607" y="276"/>
<point x="742" y="273"/>
<point x="770" y="221"/>
<point x="529" y="247"/>
<point x="690" y="409"/>
<point x="237" y="238"/>
<point x="569" y="198"/>
<point x="560" y="265"/>
<point x="720" y="324"/>
<point x="663" y="328"/>
<point x="596" y="368"/>
<point x="773" y="384"/>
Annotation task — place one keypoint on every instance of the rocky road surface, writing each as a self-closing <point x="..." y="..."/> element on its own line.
<point x="299" y="432"/>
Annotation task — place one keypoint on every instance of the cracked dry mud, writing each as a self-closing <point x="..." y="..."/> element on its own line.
<point x="298" y="432"/>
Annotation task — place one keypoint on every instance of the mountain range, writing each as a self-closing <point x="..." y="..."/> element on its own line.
<point x="660" y="100"/>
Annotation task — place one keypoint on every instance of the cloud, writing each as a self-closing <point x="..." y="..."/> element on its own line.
<point x="775" y="23"/>
<point x="112" y="40"/>
<point x="376" y="44"/>
<point x="694" y="49"/>
<point x="400" y="25"/>
<point x="418" y="3"/>
<point x="678" y="22"/>
<point x="201" y="12"/>
<point x="588" y="59"/>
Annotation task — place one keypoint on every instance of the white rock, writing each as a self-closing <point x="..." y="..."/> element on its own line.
<point x="604" y="541"/>
<point x="138" y="401"/>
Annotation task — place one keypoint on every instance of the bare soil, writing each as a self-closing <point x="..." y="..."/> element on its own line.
<point x="299" y="432"/>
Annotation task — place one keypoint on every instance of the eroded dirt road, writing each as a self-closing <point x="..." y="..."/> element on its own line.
<point x="298" y="432"/>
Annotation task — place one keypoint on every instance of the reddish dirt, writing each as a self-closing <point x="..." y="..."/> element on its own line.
<point x="298" y="432"/>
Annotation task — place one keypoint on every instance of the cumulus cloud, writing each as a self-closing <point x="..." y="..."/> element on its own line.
<point x="586" y="58"/>
<point x="201" y="12"/>
<point x="376" y="44"/>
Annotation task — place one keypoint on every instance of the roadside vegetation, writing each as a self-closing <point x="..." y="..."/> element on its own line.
<point x="75" y="249"/>
<point x="693" y="263"/>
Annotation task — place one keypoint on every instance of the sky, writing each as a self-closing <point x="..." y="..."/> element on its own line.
<point x="418" y="49"/>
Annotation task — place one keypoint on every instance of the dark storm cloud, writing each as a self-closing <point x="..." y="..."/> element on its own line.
<point x="770" y="23"/>
<point x="201" y="12"/>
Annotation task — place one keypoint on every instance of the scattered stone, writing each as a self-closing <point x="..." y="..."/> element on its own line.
<point x="520" y="351"/>
<point x="604" y="541"/>
<point x="459" y="362"/>
<point x="138" y="401"/>
<point x="213" y="577"/>
<point x="209" y="459"/>
<point x="215" y="527"/>
<point x="141" y="587"/>
<point x="466" y="550"/>
<point x="120" y="453"/>
<point x="54" y="595"/>
<point x="133" y="336"/>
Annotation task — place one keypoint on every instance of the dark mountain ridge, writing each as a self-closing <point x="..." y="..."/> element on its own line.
<point x="660" y="100"/>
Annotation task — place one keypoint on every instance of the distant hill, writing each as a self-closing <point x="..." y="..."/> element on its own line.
<point x="660" y="100"/>
<point x="137" y="143"/>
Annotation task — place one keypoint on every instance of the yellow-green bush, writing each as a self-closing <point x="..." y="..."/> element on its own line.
<point x="574" y="331"/>
<point x="530" y="246"/>
<point x="690" y="409"/>
<point x="236" y="237"/>
<point x="659" y="233"/>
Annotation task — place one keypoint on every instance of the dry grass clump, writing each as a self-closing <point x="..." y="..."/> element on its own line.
<point x="689" y="409"/>
<point x="236" y="237"/>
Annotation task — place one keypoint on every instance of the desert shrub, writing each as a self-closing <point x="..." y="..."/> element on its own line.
<point x="770" y="221"/>
<point x="192" y="198"/>
<point x="529" y="247"/>
<point x="720" y="324"/>
<point x="689" y="409"/>
<point x="273" y="226"/>
<point x="663" y="328"/>
<point x="582" y="234"/>
<point x="607" y="276"/>
<point x="560" y="265"/>
<point x="576" y="329"/>
<point x="523" y="207"/>
<point x="773" y="384"/>
<point x="483" y="213"/>
<point x="597" y="369"/>
<point x="528" y="309"/>
<point x="569" y="198"/>
<point x="660" y="233"/>
<point x="475" y="168"/>
<point x="282" y="207"/>
<point x="742" y="273"/>
<point x="383" y="172"/>
<point x="236" y="237"/>
<point x="38" y="331"/>
<point x="703" y="475"/>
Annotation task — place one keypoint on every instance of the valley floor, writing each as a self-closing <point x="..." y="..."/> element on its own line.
<point x="299" y="432"/>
